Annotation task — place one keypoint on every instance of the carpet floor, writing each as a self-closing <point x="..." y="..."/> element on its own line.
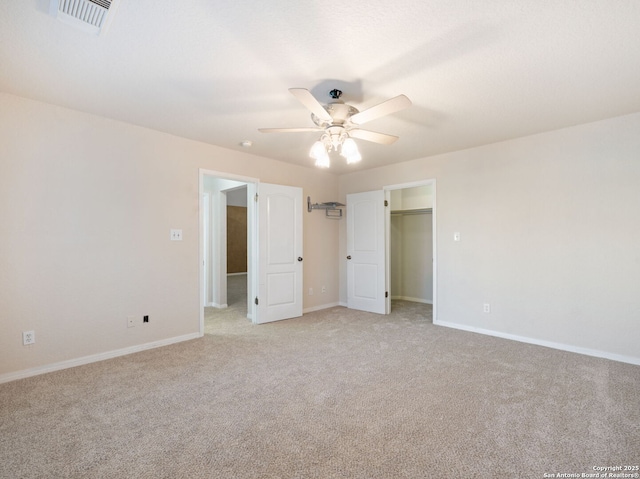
<point x="333" y="394"/>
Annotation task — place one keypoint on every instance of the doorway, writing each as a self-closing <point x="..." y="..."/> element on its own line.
<point x="369" y="254"/>
<point x="410" y="243"/>
<point x="227" y="290"/>
<point x="274" y="246"/>
<point x="237" y="251"/>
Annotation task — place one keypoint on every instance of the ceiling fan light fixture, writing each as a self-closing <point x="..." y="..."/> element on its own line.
<point x="334" y="137"/>
<point x="323" y="162"/>
<point x="349" y="150"/>
<point x="353" y="158"/>
<point x="319" y="153"/>
<point x="349" y="146"/>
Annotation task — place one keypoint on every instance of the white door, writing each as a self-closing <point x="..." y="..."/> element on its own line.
<point x="366" y="265"/>
<point x="279" y="252"/>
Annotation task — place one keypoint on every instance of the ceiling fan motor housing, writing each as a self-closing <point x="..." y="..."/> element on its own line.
<point x="339" y="112"/>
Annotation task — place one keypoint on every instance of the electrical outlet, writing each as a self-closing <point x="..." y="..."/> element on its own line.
<point x="145" y="319"/>
<point x="486" y="308"/>
<point x="324" y="289"/>
<point x="131" y="321"/>
<point x="28" y="337"/>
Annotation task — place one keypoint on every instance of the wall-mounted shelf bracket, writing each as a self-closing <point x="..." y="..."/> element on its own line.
<point x="331" y="208"/>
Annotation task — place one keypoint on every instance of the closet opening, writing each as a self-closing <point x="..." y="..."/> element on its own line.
<point x="410" y="243"/>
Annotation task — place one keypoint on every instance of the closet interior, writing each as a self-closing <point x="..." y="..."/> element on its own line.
<point x="411" y="244"/>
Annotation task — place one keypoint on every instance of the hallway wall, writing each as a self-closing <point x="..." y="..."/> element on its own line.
<point x="236" y="239"/>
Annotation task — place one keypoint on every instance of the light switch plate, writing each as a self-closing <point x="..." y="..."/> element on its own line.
<point x="28" y="337"/>
<point x="176" y="235"/>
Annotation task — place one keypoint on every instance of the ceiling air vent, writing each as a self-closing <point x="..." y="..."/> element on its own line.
<point x="92" y="16"/>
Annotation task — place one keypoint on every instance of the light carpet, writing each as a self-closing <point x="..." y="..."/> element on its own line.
<point x="333" y="394"/>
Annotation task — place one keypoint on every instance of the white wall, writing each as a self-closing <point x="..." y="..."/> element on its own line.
<point x="87" y="205"/>
<point x="237" y="197"/>
<point x="550" y="235"/>
<point x="411" y="198"/>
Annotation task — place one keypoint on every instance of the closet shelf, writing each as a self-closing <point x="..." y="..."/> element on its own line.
<point x="417" y="211"/>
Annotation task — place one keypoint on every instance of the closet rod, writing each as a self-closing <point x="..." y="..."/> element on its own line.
<point x="412" y="212"/>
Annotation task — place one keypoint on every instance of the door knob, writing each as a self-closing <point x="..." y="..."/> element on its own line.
<point x="349" y="257"/>
<point x="299" y="258"/>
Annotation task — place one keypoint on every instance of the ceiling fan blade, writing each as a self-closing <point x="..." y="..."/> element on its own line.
<point x="373" y="136"/>
<point x="392" y="105"/>
<point x="305" y="97"/>
<point x="288" y="130"/>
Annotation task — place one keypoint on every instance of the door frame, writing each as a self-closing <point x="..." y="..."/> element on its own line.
<point x="252" y="237"/>
<point x="387" y="239"/>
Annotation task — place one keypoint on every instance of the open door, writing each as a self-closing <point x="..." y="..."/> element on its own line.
<point x="366" y="255"/>
<point x="280" y="252"/>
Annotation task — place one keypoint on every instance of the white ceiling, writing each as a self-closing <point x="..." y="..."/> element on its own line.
<point x="477" y="71"/>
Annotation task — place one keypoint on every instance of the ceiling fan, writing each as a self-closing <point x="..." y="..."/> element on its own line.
<point x="340" y="123"/>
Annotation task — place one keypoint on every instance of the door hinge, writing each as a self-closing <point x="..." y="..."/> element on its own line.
<point x="256" y="300"/>
<point x="255" y="198"/>
<point x="386" y="294"/>
<point x="386" y="203"/>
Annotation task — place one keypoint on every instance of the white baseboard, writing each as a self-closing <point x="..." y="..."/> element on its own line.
<point x="321" y="307"/>
<point x="406" y="298"/>
<point x="539" y="342"/>
<point x="413" y="300"/>
<point x="216" y="305"/>
<point x="70" y="363"/>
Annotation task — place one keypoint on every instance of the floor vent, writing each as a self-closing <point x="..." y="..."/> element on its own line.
<point x="91" y="16"/>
